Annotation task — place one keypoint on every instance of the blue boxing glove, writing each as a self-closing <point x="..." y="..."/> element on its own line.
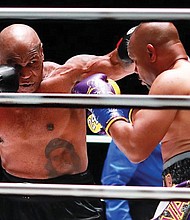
<point x="9" y="78"/>
<point x="99" y="84"/>
<point x="93" y="124"/>
<point x="107" y="116"/>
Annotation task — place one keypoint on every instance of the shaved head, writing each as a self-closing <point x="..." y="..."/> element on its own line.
<point x="156" y="33"/>
<point x="155" y="47"/>
<point x="19" y="33"/>
<point x="17" y="37"/>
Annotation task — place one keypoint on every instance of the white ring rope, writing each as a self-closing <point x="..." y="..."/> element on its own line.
<point x="97" y="191"/>
<point x="89" y="101"/>
<point x="95" y="13"/>
<point x="98" y="139"/>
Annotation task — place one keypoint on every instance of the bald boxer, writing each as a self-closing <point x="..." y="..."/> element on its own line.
<point x="162" y="63"/>
<point x="44" y="145"/>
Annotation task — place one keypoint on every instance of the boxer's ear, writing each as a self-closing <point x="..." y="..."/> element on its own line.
<point x="42" y="51"/>
<point x="151" y="52"/>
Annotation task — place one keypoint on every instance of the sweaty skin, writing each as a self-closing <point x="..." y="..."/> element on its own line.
<point x="162" y="63"/>
<point x="27" y="133"/>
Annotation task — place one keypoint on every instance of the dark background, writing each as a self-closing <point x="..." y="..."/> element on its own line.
<point x="63" y="39"/>
<point x="97" y="3"/>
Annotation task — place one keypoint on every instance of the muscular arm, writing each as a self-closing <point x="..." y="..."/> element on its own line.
<point x="65" y="75"/>
<point x="81" y="66"/>
<point x="137" y="140"/>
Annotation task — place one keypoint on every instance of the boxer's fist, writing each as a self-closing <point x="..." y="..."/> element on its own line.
<point x="9" y="78"/>
<point x="96" y="84"/>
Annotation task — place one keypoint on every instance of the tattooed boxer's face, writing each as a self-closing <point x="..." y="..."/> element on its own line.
<point x="60" y="156"/>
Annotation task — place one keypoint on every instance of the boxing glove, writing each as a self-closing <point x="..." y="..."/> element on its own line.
<point x="123" y="44"/>
<point x="96" y="84"/>
<point x="93" y="124"/>
<point x="99" y="84"/>
<point x="9" y="78"/>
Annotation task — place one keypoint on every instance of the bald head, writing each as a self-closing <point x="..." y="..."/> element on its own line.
<point x="19" y="34"/>
<point x="155" y="47"/>
<point x="160" y="36"/>
<point x="17" y="38"/>
<point x="156" y="33"/>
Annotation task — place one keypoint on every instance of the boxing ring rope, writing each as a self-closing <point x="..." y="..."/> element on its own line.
<point x="96" y="101"/>
<point x="96" y="191"/>
<point x="95" y="13"/>
<point x="89" y="101"/>
<point x="98" y="139"/>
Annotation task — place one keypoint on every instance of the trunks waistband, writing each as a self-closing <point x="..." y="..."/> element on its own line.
<point x="175" y="159"/>
<point x="80" y="178"/>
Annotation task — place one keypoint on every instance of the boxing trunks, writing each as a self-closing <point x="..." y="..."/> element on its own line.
<point x="176" y="173"/>
<point x="26" y="207"/>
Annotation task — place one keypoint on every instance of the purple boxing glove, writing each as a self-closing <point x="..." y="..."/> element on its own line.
<point x="99" y="84"/>
<point x="96" y="84"/>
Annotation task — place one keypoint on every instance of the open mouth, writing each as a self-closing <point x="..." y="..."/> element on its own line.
<point x="26" y="84"/>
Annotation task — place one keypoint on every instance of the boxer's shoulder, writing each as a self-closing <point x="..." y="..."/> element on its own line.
<point x="81" y="58"/>
<point x="49" y="67"/>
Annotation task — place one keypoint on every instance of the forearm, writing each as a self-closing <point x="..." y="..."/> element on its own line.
<point x="124" y="137"/>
